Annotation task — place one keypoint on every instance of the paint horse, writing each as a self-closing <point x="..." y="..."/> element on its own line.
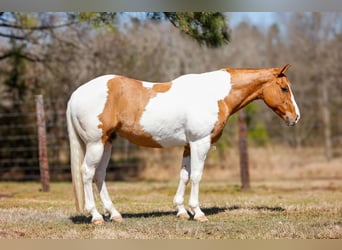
<point x="190" y="111"/>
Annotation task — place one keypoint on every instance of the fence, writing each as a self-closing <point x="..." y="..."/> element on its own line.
<point x="18" y="138"/>
<point x="19" y="151"/>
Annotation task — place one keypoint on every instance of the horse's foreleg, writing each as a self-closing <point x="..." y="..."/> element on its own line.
<point x="100" y="175"/>
<point x="199" y="150"/>
<point x="184" y="176"/>
<point x="94" y="152"/>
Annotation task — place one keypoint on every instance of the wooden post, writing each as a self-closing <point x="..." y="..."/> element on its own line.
<point x="244" y="168"/>
<point x="324" y="99"/>
<point x="43" y="157"/>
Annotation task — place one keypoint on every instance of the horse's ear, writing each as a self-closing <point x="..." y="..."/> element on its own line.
<point x="283" y="69"/>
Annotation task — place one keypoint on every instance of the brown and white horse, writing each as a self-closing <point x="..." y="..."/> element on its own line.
<point x="190" y="111"/>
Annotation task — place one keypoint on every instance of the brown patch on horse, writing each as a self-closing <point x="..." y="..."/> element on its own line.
<point x="244" y="82"/>
<point x="247" y="82"/>
<point x="162" y="87"/>
<point x="221" y="121"/>
<point x="126" y="101"/>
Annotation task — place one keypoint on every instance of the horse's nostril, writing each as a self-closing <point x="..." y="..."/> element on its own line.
<point x="297" y="118"/>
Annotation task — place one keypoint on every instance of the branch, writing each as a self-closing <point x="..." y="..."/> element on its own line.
<point x="4" y="56"/>
<point x="43" y="27"/>
<point x="29" y="57"/>
<point x="13" y="36"/>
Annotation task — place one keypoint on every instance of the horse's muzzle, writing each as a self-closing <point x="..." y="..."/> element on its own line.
<point x="291" y="123"/>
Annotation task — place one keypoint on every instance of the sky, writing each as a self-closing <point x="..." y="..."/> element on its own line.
<point x="260" y="19"/>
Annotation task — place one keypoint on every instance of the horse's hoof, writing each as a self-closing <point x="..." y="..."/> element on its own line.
<point x="201" y="218"/>
<point x="117" y="219"/>
<point x="98" y="222"/>
<point x="183" y="216"/>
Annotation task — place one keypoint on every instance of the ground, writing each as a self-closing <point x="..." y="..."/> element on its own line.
<point x="272" y="209"/>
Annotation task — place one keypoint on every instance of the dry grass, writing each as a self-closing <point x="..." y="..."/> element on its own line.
<point x="266" y="163"/>
<point x="301" y="198"/>
<point x="282" y="209"/>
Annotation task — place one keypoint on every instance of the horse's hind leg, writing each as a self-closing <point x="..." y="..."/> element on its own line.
<point x="100" y="175"/>
<point x="93" y="156"/>
<point x="183" y="181"/>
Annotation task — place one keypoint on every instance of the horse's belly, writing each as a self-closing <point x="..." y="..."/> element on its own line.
<point x="178" y="127"/>
<point x="167" y="135"/>
<point x="162" y="137"/>
<point x="171" y="138"/>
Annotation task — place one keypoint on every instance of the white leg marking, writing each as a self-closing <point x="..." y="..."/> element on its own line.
<point x="199" y="150"/>
<point x="100" y="175"/>
<point x="93" y="156"/>
<point x="178" y="200"/>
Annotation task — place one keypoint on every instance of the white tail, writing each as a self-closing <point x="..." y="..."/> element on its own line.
<point x="77" y="152"/>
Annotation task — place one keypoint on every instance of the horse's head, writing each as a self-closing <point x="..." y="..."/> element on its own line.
<point x="277" y="94"/>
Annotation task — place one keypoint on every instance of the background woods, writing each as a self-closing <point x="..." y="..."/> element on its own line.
<point x="54" y="53"/>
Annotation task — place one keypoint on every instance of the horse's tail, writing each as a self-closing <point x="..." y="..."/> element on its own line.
<point x="77" y="152"/>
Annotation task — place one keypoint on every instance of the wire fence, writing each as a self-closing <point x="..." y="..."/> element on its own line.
<point x="19" y="144"/>
<point x="19" y="151"/>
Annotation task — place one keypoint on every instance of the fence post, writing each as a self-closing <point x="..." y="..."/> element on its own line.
<point x="43" y="157"/>
<point x="244" y="167"/>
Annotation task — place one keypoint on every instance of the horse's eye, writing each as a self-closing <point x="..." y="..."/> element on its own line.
<point x="284" y="89"/>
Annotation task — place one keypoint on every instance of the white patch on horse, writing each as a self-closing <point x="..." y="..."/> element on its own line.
<point x="188" y="111"/>
<point x="295" y="106"/>
<point x="148" y="84"/>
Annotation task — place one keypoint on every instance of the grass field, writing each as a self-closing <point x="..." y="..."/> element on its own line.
<point x="296" y="194"/>
<point x="286" y="209"/>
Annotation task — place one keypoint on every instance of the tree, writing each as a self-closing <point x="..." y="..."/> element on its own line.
<point x="209" y="28"/>
<point x="310" y="35"/>
<point x="30" y="29"/>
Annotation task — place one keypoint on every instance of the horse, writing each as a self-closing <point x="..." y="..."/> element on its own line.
<point x="190" y="111"/>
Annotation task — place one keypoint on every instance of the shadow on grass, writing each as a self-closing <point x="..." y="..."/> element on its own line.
<point x="216" y="210"/>
<point x="267" y="208"/>
<point x="82" y="219"/>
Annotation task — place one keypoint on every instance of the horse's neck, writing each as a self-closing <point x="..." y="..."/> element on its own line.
<point x="247" y="85"/>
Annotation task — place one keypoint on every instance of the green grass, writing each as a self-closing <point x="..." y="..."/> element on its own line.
<point x="306" y="209"/>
